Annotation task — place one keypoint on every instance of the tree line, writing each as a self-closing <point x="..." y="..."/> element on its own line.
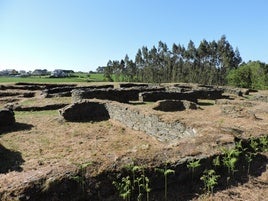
<point x="208" y="63"/>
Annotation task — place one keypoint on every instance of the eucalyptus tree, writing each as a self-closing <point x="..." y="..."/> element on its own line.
<point x="209" y="63"/>
<point x="108" y="71"/>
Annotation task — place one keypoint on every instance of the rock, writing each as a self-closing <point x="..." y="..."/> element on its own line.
<point x="7" y="117"/>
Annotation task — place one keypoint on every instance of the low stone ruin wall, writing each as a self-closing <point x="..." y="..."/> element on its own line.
<point x="19" y="94"/>
<point x="151" y="124"/>
<point x="174" y="105"/>
<point x="163" y="95"/>
<point x="119" y="95"/>
<point x="65" y="91"/>
<point x="262" y="98"/>
<point x="236" y="91"/>
<point x="212" y="94"/>
<point x="129" y="85"/>
<point x="7" y="117"/>
<point x="85" y="111"/>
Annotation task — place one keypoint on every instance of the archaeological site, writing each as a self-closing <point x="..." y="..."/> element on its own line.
<point x="127" y="141"/>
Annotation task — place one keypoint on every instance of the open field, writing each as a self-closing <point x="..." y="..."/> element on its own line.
<point x="48" y="158"/>
<point x="78" y="77"/>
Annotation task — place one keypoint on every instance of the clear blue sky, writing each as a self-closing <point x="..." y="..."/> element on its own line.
<point x="84" y="34"/>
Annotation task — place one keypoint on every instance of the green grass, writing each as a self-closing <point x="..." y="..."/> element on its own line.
<point x="78" y="77"/>
<point x="96" y="77"/>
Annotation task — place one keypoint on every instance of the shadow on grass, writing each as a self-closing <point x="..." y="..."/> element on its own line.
<point x="10" y="160"/>
<point x="16" y="127"/>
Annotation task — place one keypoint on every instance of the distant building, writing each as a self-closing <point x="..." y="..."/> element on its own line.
<point x="39" y="72"/>
<point x="9" y="72"/>
<point x="4" y="73"/>
<point x="23" y="73"/>
<point x="62" y="73"/>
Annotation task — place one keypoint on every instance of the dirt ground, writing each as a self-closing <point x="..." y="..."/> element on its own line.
<point x="42" y="145"/>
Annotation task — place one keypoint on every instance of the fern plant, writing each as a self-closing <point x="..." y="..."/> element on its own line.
<point x="264" y="143"/>
<point x="166" y="172"/>
<point x="210" y="179"/>
<point x="192" y="165"/>
<point x="124" y="188"/>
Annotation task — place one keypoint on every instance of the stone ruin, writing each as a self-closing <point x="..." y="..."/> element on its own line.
<point x="128" y="115"/>
<point x="122" y="95"/>
<point x="7" y="117"/>
<point x="174" y="105"/>
<point x="85" y="111"/>
<point x="146" y="94"/>
<point x="66" y="91"/>
<point x="112" y="103"/>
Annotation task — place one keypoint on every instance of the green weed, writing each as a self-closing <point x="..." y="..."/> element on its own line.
<point x="192" y="165"/>
<point x="210" y="180"/>
<point x="166" y="172"/>
<point x="128" y="186"/>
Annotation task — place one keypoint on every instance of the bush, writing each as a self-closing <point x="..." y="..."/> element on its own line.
<point x="252" y="75"/>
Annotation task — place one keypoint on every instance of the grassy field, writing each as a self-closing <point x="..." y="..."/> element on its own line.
<point x="78" y="77"/>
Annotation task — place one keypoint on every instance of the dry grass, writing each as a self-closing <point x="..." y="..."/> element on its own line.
<point x="47" y="143"/>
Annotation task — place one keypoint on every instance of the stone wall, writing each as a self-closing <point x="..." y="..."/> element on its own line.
<point x="119" y="95"/>
<point x="151" y="124"/>
<point x="212" y="94"/>
<point x="262" y="98"/>
<point x="85" y="111"/>
<point x="65" y="91"/>
<point x="148" y="123"/>
<point x="7" y="117"/>
<point x="174" y="105"/>
<point x="236" y="91"/>
<point x="164" y="95"/>
<point x="129" y="85"/>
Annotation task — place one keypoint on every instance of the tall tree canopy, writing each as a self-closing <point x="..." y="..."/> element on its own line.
<point x="207" y="63"/>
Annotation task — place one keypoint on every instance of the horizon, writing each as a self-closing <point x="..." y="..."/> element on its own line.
<point x="83" y="35"/>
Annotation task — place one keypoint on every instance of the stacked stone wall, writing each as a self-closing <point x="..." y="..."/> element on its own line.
<point x="151" y="124"/>
<point x="85" y="111"/>
<point x="119" y="95"/>
<point x="236" y="91"/>
<point x="129" y="85"/>
<point x="188" y="95"/>
<point x="164" y="95"/>
<point x="262" y="98"/>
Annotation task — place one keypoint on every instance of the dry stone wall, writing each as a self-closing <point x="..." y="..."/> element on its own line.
<point x="65" y="91"/>
<point x="148" y="123"/>
<point x="236" y="91"/>
<point x="85" y="111"/>
<point x="262" y="98"/>
<point x="119" y="95"/>
<point x="7" y="117"/>
<point x="164" y="95"/>
<point x="193" y="96"/>
<point x="151" y="124"/>
<point x="174" y="105"/>
<point x="129" y="85"/>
